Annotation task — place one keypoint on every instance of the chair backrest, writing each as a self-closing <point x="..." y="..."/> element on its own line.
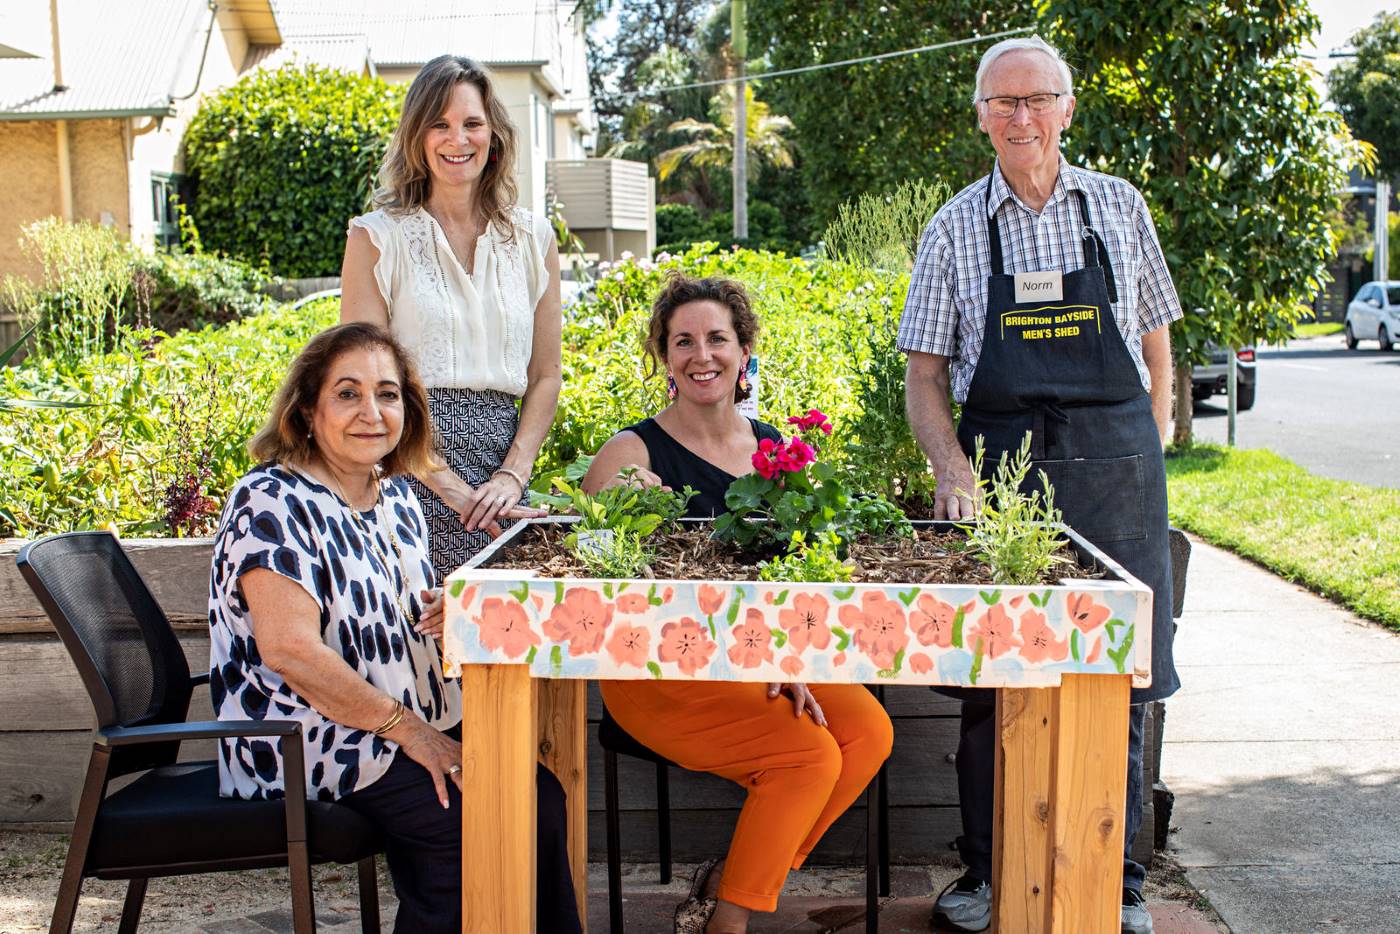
<point x="117" y="635"/>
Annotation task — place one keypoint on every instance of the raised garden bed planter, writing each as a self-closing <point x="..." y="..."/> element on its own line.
<point x="727" y="630"/>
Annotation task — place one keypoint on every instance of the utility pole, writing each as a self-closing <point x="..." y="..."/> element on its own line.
<point x="1381" y="267"/>
<point x="739" y="41"/>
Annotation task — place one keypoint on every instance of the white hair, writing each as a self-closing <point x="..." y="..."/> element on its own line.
<point x="1032" y="43"/>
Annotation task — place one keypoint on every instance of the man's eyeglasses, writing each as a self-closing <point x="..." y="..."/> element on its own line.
<point x="1035" y="103"/>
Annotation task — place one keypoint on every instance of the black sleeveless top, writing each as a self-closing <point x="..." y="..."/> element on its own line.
<point x="678" y="466"/>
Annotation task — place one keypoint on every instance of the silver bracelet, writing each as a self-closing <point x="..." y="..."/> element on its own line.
<point x="514" y="476"/>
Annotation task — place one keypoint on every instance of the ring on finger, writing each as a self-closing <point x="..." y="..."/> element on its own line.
<point x="453" y="769"/>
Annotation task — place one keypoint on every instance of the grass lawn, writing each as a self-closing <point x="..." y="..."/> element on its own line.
<point x="1316" y="328"/>
<point x="1339" y="539"/>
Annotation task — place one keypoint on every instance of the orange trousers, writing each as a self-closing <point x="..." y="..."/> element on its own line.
<point x="800" y="776"/>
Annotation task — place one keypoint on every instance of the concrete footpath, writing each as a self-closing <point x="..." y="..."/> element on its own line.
<point x="1283" y="749"/>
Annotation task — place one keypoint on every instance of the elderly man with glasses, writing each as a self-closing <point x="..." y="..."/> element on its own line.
<point x="1041" y="238"/>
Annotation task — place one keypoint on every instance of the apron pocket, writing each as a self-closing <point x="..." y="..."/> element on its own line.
<point x="1103" y="499"/>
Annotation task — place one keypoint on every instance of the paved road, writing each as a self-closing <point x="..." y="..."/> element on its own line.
<point x="1332" y="410"/>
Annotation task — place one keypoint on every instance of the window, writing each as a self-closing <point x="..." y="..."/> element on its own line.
<point x="165" y="193"/>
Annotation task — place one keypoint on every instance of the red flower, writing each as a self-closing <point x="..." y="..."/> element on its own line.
<point x="796" y="455"/>
<point x="813" y="419"/>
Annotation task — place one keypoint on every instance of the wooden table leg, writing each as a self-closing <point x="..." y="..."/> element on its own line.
<point x="498" y="800"/>
<point x="1062" y="764"/>
<point x="561" y="709"/>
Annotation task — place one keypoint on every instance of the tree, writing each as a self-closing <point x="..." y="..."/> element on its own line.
<point x="868" y="127"/>
<point x="711" y="144"/>
<point x="280" y="160"/>
<point x="1366" y="90"/>
<point x="644" y="27"/>
<point x="1207" y="109"/>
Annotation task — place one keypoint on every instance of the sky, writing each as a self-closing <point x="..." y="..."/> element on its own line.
<point x="1340" y="19"/>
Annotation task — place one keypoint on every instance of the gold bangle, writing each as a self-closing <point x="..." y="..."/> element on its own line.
<point x="513" y="475"/>
<point x="394" y="718"/>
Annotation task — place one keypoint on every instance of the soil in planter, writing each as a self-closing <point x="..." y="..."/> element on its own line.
<point x="931" y="557"/>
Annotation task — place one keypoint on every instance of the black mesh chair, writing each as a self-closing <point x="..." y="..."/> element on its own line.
<point x="170" y="820"/>
<point x="615" y="740"/>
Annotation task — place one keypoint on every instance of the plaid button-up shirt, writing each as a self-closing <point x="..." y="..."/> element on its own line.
<point x="946" y="309"/>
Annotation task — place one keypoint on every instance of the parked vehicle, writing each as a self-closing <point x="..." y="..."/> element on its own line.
<point x="1213" y="378"/>
<point x="1374" y="315"/>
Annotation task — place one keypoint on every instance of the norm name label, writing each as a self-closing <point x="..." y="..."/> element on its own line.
<point x="1039" y="286"/>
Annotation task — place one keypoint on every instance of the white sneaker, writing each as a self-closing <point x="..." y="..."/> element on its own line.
<point x="1136" y="919"/>
<point x="965" y="905"/>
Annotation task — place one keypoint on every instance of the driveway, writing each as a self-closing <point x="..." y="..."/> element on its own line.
<point x="1332" y="410"/>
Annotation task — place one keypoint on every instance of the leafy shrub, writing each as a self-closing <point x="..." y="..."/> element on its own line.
<point x="92" y="282"/>
<point x="684" y="227"/>
<point x="282" y="159"/>
<point x="679" y="224"/>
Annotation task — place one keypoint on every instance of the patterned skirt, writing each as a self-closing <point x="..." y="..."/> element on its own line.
<point x="474" y="431"/>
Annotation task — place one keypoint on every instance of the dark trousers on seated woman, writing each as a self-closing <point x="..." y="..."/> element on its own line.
<point x="425" y="850"/>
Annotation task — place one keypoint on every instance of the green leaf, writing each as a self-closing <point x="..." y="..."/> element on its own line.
<point x="455" y="588"/>
<point x="608" y="590"/>
<point x="558" y="592"/>
<point x="781" y="598"/>
<point x="843" y="638"/>
<point x="652" y="598"/>
<point x="779" y="638"/>
<point x="958" y="628"/>
<point x="735" y="602"/>
<point x="907" y="597"/>
<point x="521" y="593"/>
<point x="989" y="598"/>
<point x="530" y="655"/>
<point x="556" y="660"/>
<point x="892" y="672"/>
<point x="976" y="671"/>
<point x="655" y="669"/>
<point x="843" y="593"/>
<point x="1120" y="654"/>
<point x="1074" y="644"/>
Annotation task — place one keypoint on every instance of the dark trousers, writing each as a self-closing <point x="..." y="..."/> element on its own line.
<point x="976" y="765"/>
<point x="425" y="850"/>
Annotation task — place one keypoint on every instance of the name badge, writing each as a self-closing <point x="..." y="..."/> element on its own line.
<point x="1039" y="287"/>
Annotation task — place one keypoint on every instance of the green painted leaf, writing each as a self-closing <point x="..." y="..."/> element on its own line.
<point x="779" y="637"/>
<point x="1074" y="644"/>
<point x="958" y="628"/>
<point x="530" y="655"/>
<point x="608" y="590"/>
<point x="989" y="598"/>
<point x="843" y="638"/>
<point x="654" y="668"/>
<point x="1112" y="627"/>
<point x="976" y="671"/>
<point x="735" y="603"/>
<point x="521" y="593"/>
<point x="907" y="597"/>
<point x="781" y="598"/>
<point x="455" y="588"/>
<point x="556" y="660"/>
<point x="1120" y="654"/>
<point x="844" y="593"/>
<point x="652" y="598"/>
<point x="558" y="592"/>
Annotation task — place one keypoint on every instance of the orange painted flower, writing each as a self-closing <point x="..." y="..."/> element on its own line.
<point x="996" y="632"/>
<point x="503" y="627"/>
<point x="581" y="620"/>
<point x="1038" y="641"/>
<point x="878" y="627"/>
<point x="468" y="595"/>
<point x="538" y="601"/>
<point x="791" y="665"/>
<point x="753" y="642"/>
<point x="710" y="598"/>
<point x="805" y="622"/>
<point x="932" y="620"/>
<point x="1094" y="653"/>
<point x="633" y="603"/>
<point x="667" y="594"/>
<point x="685" y="643"/>
<point x="1084" y="612"/>
<point x="628" y="645"/>
<point x="838" y="659"/>
<point x="920" y="664"/>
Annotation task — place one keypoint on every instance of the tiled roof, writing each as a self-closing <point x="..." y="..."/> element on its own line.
<point x="118" y="65"/>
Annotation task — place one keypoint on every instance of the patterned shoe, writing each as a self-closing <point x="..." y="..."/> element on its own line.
<point x="965" y="905"/>
<point x="693" y="914"/>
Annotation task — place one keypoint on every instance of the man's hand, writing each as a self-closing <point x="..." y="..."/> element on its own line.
<point x="956" y="496"/>
<point x="931" y="418"/>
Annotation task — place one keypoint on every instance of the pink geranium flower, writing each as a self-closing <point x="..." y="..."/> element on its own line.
<point x="752" y="641"/>
<point x="580" y="620"/>
<point x="932" y="620"/>
<point x="685" y="643"/>
<point x="1084" y="612"/>
<point x="805" y="622"/>
<point x="503" y="627"/>
<point x="628" y="645"/>
<point x="996" y="632"/>
<point x="878" y="627"/>
<point x="1038" y="640"/>
<point x="813" y="419"/>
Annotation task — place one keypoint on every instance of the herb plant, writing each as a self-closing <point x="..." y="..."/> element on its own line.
<point x="818" y="562"/>
<point x="1016" y="531"/>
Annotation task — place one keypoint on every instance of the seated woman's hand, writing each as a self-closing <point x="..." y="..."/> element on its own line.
<point x="430" y="620"/>
<point x="802" y="700"/>
<point x="438" y="753"/>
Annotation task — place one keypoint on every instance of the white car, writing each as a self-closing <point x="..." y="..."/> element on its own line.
<point x="1374" y="315"/>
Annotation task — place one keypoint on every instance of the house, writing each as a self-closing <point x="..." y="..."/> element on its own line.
<point x="95" y="97"/>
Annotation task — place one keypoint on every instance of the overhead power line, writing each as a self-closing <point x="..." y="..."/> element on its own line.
<point x="652" y="92"/>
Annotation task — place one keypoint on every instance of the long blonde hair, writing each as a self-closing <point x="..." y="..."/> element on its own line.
<point x="404" y="181"/>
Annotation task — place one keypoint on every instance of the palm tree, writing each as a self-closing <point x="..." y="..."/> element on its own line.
<point x="711" y="145"/>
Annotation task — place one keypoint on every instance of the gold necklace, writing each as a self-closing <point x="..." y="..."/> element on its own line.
<point x="369" y="541"/>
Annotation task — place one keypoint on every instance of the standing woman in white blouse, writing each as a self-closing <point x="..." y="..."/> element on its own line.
<point x="469" y="284"/>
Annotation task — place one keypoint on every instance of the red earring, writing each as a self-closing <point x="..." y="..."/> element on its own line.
<point x="493" y="157"/>
<point x="671" y="386"/>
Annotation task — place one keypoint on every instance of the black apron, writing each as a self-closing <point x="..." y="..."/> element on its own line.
<point x="1060" y="370"/>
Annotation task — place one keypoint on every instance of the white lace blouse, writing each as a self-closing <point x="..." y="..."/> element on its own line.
<point x="463" y="331"/>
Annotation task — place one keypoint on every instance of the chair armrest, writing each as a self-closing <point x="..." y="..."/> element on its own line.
<point x="293" y="759"/>
<point x="203" y="729"/>
<point x="196" y="680"/>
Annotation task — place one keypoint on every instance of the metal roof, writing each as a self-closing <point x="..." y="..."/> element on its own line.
<point x="113" y="65"/>
<point x="343" y="53"/>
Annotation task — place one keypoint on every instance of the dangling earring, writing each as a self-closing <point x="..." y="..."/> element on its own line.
<point x="744" y="379"/>
<point x="670" y="386"/>
<point x="493" y="156"/>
